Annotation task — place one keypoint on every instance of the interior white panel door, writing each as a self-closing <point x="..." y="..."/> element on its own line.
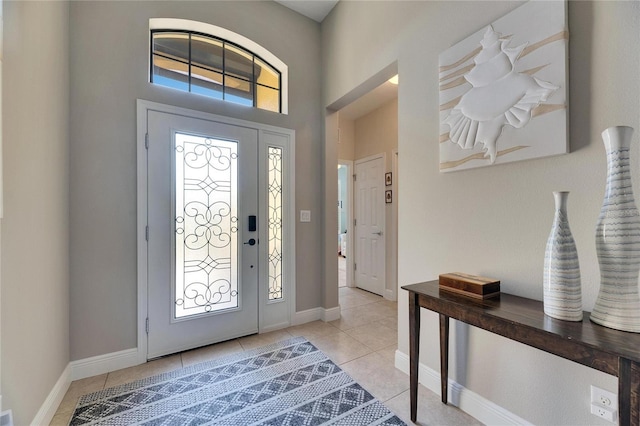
<point x="370" y="219"/>
<point x="202" y="249"/>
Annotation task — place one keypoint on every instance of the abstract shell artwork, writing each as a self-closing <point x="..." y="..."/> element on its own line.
<point x="503" y="90"/>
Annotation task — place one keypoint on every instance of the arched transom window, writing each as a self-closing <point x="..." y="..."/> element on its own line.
<point x="211" y="61"/>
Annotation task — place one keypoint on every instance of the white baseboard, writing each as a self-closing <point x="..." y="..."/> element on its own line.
<point x="303" y="317"/>
<point x="316" y="314"/>
<point x="331" y="314"/>
<point x="103" y="363"/>
<point x="50" y="406"/>
<point x="470" y="402"/>
<point x="389" y="295"/>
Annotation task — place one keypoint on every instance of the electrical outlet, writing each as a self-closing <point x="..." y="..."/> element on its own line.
<point x="604" y="398"/>
<point x="604" y="412"/>
<point x="604" y="404"/>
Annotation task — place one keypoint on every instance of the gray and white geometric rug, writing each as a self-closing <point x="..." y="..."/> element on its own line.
<point x="285" y="383"/>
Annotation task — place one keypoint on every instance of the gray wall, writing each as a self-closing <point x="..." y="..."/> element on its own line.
<point x="511" y="205"/>
<point x="35" y="227"/>
<point x="109" y="61"/>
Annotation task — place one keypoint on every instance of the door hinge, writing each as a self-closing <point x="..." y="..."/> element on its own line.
<point x="355" y="266"/>
<point x="354" y="222"/>
<point x="146" y="233"/>
<point x="146" y="327"/>
<point x="146" y="140"/>
<point x="355" y="178"/>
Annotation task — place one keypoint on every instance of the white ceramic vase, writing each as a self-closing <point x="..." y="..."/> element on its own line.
<point x="618" y="240"/>
<point x="562" y="287"/>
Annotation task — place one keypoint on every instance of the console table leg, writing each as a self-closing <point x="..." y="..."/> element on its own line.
<point x="624" y="392"/>
<point x="414" y="352"/>
<point x="444" y="356"/>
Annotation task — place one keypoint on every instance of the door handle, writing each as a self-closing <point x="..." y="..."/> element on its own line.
<point x="379" y="233"/>
<point x="251" y="242"/>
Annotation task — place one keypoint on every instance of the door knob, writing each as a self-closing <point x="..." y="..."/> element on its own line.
<point x="251" y="242"/>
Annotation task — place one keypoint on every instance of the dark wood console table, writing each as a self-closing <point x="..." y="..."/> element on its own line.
<point x="523" y="320"/>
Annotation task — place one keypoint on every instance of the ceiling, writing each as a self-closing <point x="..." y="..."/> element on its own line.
<point x="314" y="9"/>
<point x="318" y="10"/>
<point x="371" y="101"/>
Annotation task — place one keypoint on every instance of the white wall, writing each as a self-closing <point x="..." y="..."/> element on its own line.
<point x="109" y="71"/>
<point x="35" y="227"/>
<point x="493" y="221"/>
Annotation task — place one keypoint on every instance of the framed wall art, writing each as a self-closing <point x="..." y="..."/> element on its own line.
<point x="387" y="179"/>
<point x="503" y="90"/>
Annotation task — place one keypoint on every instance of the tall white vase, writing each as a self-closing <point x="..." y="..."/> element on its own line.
<point x="618" y="240"/>
<point x="562" y="289"/>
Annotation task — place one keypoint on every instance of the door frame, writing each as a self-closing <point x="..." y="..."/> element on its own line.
<point x="380" y="156"/>
<point x="350" y="171"/>
<point x="265" y="133"/>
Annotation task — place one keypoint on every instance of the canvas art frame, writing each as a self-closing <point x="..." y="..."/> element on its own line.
<point x="504" y="90"/>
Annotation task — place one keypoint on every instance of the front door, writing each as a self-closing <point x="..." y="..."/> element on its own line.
<point x="202" y="235"/>
<point x="369" y="225"/>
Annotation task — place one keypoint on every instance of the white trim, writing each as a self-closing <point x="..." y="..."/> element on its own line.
<point x="143" y="107"/>
<point x="50" y="405"/>
<point x="316" y="314"/>
<point x="390" y="294"/>
<point x="393" y="293"/>
<point x="303" y="317"/>
<point x="468" y="401"/>
<point x="106" y="363"/>
<point x="350" y="197"/>
<point x="273" y="60"/>
<point x="331" y="314"/>
<point x="142" y="220"/>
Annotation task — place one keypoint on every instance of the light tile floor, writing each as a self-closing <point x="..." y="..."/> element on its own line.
<point x="363" y="342"/>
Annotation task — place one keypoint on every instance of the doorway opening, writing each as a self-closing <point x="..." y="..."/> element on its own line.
<point x="345" y="221"/>
<point x="366" y="125"/>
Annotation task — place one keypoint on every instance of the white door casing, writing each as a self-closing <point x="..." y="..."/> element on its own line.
<point x="369" y="214"/>
<point x="269" y="152"/>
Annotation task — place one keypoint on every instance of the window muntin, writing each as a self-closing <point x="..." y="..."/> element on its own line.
<point x="214" y="67"/>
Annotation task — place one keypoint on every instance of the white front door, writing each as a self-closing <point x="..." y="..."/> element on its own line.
<point x="370" y="220"/>
<point x="202" y="191"/>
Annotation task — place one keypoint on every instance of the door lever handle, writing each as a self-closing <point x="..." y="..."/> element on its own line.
<point x="379" y="233"/>
<point x="251" y="242"/>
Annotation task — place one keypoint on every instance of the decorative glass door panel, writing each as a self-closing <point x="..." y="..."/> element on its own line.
<point x="206" y="225"/>
<point x="202" y="179"/>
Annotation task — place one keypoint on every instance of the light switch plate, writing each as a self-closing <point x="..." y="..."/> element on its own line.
<point x="305" y="215"/>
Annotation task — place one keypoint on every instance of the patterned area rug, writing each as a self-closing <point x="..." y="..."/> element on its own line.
<point x="286" y="383"/>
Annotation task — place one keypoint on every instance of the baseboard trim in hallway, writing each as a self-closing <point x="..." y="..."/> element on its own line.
<point x="315" y="314"/>
<point x="470" y="402"/>
<point x="101" y="364"/>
